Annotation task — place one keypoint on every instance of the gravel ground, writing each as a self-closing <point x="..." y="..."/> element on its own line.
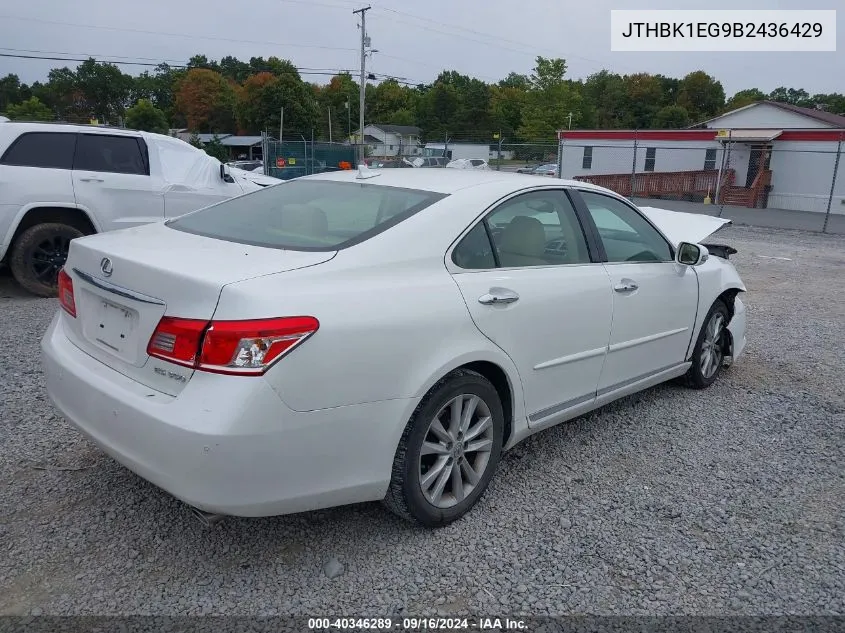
<point x="728" y="500"/>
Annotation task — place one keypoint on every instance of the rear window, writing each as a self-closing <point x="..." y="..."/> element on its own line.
<point x="307" y="215"/>
<point x="52" y="150"/>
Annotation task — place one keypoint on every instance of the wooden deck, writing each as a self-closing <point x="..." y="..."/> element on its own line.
<point x="681" y="184"/>
<point x="688" y="185"/>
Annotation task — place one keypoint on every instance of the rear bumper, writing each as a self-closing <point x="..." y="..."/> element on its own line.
<point x="226" y="445"/>
<point x="737" y="329"/>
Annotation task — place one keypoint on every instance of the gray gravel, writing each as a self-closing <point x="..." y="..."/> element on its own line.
<point x="673" y="501"/>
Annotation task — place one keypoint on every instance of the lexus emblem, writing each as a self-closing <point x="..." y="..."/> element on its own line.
<point x="106" y="266"/>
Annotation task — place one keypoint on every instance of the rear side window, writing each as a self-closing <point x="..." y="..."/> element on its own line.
<point x="113" y="154"/>
<point x="307" y="215"/>
<point x="41" y="149"/>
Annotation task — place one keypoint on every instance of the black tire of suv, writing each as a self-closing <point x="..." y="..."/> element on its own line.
<point x="25" y="247"/>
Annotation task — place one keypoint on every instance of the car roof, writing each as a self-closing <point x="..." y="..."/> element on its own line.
<point x="53" y="126"/>
<point x="446" y="181"/>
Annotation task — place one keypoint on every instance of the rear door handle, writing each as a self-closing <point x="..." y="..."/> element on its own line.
<point x="498" y="296"/>
<point x="625" y="286"/>
<point x="92" y="180"/>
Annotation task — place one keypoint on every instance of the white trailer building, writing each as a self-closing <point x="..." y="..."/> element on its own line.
<point x="764" y="155"/>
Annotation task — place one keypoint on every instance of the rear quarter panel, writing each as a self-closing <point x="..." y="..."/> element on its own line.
<point x="386" y="332"/>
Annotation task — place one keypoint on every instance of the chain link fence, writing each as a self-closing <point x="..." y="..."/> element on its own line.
<point x="292" y="159"/>
<point x="786" y="184"/>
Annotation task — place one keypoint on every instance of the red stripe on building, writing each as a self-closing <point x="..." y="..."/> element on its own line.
<point x="690" y="135"/>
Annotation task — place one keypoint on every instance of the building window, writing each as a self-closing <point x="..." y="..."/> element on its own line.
<point x="710" y="159"/>
<point x="650" y="153"/>
<point x="391" y="147"/>
<point x="587" y="161"/>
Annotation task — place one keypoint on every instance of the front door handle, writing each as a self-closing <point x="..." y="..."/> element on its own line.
<point x="498" y="296"/>
<point x="92" y="180"/>
<point x="625" y="286"/>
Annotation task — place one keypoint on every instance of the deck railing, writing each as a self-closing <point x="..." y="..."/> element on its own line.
<point x="657" y="184"/>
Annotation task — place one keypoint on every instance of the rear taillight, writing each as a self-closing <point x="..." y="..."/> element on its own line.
<point x="229" y="347"/>
<point x="66" y="298"/>
<point x="177" y="340"/>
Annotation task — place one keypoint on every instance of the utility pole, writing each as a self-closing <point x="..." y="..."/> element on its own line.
<point x="330" y="124"/>
<point x="348" y="120"/>
<point x="363" y="87"/>
<point x="281" y="125"/>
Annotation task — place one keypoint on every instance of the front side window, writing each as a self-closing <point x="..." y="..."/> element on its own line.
<point x="626" y="235"/>
<point x="533" y="229"/>
<point x="110" y="154"/>
<point x="307" y="215"/>
<point x="52" y="150"/>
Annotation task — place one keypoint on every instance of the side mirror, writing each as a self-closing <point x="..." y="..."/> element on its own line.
<point x="225" y="176"/>
<point x="690" y="254"/>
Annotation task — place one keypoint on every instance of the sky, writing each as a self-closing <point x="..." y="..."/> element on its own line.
<point x="486" y="39"/>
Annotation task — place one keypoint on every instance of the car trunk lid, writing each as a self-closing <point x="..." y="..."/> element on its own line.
<point x="126" y="281"/>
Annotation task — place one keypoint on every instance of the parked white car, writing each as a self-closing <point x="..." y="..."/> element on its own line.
<point x="59" y="182"/>
<point x="378" y="335"/>
<point x="468" y="163"/>
<point x="549" y="169"/>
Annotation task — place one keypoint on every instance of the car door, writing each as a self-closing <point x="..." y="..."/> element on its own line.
<point x="190" y="179"/>
<point x="654" y="299"/>
<point x="111" y="178"/>
<point x="531" y="286"/>
<point x="35" y="170"/>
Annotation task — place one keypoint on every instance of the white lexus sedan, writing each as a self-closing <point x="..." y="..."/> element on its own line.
<point x="378" y="335"/>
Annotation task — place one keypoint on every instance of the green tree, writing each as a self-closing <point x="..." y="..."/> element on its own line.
<point x="103" y="88"/>
<point x="833" y="102"/>
<point x="701" y="95"/>
<point x="437" y="110"/>
<point x="264" y="95"/>
<point x="549" y="102"/>
<point x="145" y="116"/>
<point x="606" y="93"/>
<point x="216" y="149"/>
<point x="11" y="91"/>
<point x="671" y="117"/>
<point x="157" y="87"/>
<point x="793" y="96"/>
<point x="30" y="110"/>
<point x="644" y="96"/>
<point x="234" y="69"/>
<point x="744" y="98"/>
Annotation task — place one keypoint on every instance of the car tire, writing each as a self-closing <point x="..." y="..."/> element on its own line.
<point x="412" y="469"/>
<point x="38" y="255"/>
<point x="709" y="351"/>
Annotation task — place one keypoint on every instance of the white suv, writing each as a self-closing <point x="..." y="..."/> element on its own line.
<point x="59" y="182"/>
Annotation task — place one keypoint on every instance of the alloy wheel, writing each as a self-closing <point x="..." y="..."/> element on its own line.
<point x="456" y="450"/>
<point x="711" y="348"/>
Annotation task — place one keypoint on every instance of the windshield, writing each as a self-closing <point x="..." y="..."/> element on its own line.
<point x="307" y="215"/>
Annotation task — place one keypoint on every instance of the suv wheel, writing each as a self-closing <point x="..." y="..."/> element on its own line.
<point x="39" y="254"/>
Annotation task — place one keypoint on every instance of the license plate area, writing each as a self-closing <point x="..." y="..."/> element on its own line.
<point x="113" y="327"/>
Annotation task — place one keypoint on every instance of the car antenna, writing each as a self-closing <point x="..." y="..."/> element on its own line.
<point x="365" y="172"/>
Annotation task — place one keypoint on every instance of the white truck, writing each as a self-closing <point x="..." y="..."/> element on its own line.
<point x="454" y="151"/>
<point x="59" y="182"/>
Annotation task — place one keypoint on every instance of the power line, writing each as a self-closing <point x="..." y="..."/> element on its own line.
<point x="149" y="59"/>
<point x="302" y="71"/>
<point x="171" y="34"/>
<point x="532" y="48"/>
